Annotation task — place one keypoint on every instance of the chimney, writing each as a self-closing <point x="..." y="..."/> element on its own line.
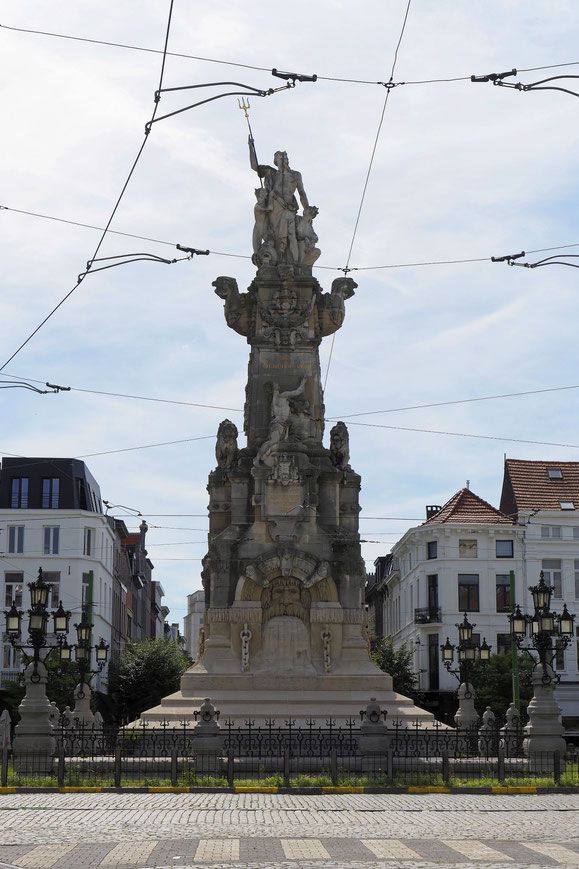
<point x="432" y="510"/>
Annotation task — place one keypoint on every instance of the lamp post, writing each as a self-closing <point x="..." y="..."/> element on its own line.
<point x="82" y="692"/>
<point x="469" y="653"/>
<point x="33" y="743"/>
<point x="541" y="635"/>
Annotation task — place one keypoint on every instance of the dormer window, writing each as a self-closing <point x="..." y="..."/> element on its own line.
<point x="555" y="473"/>
<point x="567" y="505"/>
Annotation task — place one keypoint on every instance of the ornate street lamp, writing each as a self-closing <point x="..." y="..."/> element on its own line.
<point x="468" y="652"/>
<point x="548" y="633"/>
<point x="33" y="740"/>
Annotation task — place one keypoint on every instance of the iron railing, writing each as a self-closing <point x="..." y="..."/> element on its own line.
<point x="315" y="755"/>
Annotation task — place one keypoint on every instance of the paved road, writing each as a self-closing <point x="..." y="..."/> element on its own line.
<point x="352" y="831"/>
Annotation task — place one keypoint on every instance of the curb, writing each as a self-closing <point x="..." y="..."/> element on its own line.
<point x="248" y="789"/>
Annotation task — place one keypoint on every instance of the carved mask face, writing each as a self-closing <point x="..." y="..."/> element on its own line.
<point x="285" y="595"/>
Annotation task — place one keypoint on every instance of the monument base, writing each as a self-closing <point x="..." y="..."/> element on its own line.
<point x="262" y="697"/>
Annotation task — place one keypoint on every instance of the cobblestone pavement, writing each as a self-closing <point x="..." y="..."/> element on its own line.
<point x="259" y="831"/>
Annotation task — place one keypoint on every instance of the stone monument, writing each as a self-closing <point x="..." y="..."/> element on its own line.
<point x="285" y="627"/>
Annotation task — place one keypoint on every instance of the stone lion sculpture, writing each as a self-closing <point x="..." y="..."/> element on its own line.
<point x="340" y="446"/>
<point x="226" y="447"/>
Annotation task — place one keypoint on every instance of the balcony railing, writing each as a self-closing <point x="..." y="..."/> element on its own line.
<point x="9" y="675"/>
<point x="427" y="615"/>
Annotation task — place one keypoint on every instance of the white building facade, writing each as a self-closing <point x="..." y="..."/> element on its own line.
<point x="51" y="517"/>
<point x="460" y="560"/>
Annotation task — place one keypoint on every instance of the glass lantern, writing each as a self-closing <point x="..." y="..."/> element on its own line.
<point x="61" y="618"/>
<point x="465" y="630"/>
<point x="13" y="620"/>
<point x="447" y="652"/>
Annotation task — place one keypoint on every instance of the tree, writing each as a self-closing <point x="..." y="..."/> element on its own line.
<point x="493" y="684"/>
<point x="143" y="674"/>
<point x="398" y="664"/>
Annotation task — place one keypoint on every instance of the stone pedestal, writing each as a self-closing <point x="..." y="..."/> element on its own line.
<point x="466" y="715"/>
<point x="543" y="735"/>
<point x="207" y="741"/>
<point x="33" y="744"/>
<point x="82" y="713"/>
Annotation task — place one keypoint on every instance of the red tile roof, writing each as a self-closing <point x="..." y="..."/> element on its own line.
<point x="527" y="486"/>
<point x="466" y="508"/>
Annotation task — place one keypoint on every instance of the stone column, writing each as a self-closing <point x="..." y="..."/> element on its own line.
<point x="33" y="744"/>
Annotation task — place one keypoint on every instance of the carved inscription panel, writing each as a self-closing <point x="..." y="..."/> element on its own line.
<point x="282" y="499"/>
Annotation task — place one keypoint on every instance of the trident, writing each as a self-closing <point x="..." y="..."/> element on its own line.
<point x="242" y="105"/>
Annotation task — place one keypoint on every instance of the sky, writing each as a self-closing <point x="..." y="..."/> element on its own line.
<point x="461" y="171"/>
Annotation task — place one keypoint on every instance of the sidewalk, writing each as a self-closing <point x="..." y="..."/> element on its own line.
<point x="353" y="831"/>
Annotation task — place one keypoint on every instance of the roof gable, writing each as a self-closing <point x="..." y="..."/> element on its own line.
<point x="466" y="508"/>
<point x="527" y="485"/>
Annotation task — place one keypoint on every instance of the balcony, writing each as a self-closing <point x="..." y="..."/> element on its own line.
<point x="426" y="615"/>
<point x="10" y="675"/>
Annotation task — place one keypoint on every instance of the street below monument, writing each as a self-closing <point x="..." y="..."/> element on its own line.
<point x="138" y="830"/>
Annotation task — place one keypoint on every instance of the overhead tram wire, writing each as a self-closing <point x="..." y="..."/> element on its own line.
<point x="251" y="66"/>
<point x="327" y="418"/>
<point x="389" y="86"/>
<point x="117" y="203"/>
<point x="464" y="435"/>
<point x="444" y="262"/>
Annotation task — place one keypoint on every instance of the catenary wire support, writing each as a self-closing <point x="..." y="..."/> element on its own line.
<point x="192" y="251"/>
<point x="293" y="77"/>
<point x="547" y="261"/>
<point x="497" y="78"/>
<point x="248" y="91"/>
<point x="508" y="258"/>
<point x="19" y="384"/>
<point x="126" y="258"/>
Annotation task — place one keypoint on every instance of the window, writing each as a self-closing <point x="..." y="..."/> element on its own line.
<point x="467" y="549"/>
<point x="552" y="532"/>
<point x="13" y="583"/>
<point x="129" y="626"/>
<point x="19" y="495"/>
<point x="552" y="570"/>
<point x="87" y="541"/>
<point x="15" y="538"/>
<point x="433" y="659"/>
<point x="86" y="587"/>
<point x="576" y="533"/>
<point x="559" y="655"/>
<point x="504" y="644"/>
<point x="577" y="635"/>
<point x="555" y="473"/>
<point x="468" y="592"/>
<point x="567" y="505"/>
<point x="11" y="658"/>
<point x="576" y="579"/>
<point x="50" y="492"/>
<point x="51" y="539"/>
<point x="503" y="585"/>
<point x="504" y="548"/>
<point x="52" y="579"/>
<point x="432" y="549"/>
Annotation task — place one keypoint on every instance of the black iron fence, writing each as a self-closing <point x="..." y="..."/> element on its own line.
<point x="286" y="755"/>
